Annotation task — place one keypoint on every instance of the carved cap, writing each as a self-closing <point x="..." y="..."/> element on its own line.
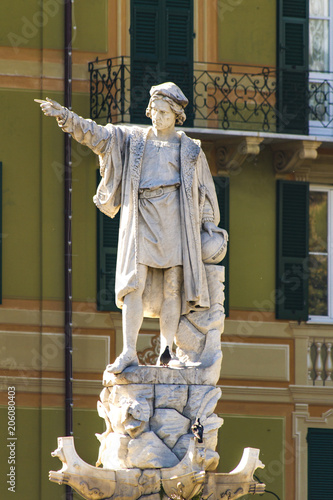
<point x="171" y="90"/>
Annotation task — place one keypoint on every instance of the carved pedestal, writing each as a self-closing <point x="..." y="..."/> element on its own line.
<point x="148" y="447"/>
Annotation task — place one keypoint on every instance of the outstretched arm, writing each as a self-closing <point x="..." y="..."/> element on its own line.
<point x="86" y="132"/>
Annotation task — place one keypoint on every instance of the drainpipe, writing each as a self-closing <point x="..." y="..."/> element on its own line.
<point x="68" y="235"/>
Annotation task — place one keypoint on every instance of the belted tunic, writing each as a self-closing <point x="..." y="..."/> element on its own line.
<point x="160" y="243"/>
<point x="121" y="151"/>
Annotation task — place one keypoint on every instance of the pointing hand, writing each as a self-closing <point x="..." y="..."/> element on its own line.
<point x="52" y="108"/>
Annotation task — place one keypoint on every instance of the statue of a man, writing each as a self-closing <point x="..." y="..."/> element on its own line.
<point x="161" y="180"/>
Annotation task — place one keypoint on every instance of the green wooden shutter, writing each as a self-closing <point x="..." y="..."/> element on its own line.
<point x="161" y="50"/>
<point x="292" y="63"/>
<point x="179" y="48"/>
<point x="222" y="191"/>
<point x="145" y="55"/>
<point x="107" y="243"/>
<point x="320" y="464"/>
<point x="292" y="250"/>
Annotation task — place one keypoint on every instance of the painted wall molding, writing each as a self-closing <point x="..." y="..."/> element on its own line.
<point x="301" y="423"/>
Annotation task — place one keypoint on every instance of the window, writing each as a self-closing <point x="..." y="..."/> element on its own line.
<point x="292" y="63"/>
<point x="320" y="253"/>
<point x="321" y="66"/>
<point x="161" y="50"/>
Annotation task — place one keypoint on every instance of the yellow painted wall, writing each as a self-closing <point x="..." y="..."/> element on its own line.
<point x="85" y="164"/>
<point x="21" y="158"/>
<point x="267" y="434"/>
<point x="37" y="431"/>
<point x="26" y="23"/>
<point x="252" y="234"/>
<point x="247" y="31"/>
<point x="32" y="157"/>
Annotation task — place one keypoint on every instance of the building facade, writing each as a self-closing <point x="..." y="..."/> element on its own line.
<point x="258" y="75"/>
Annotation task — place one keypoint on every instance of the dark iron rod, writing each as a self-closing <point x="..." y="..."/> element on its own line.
<point x="68" y="234"/>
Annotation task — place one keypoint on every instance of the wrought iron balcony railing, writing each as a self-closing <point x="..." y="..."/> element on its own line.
<point x="225" y="96"/>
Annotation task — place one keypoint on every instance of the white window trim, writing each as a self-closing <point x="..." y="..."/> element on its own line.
<point x="301" y="423"/>
<point x="316" y="128"/>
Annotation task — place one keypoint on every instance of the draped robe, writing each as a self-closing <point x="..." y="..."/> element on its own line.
<point x="120" y="150"/>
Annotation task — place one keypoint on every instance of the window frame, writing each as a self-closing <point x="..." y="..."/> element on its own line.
<point x="320" y="76"/>
<point x="318" y="318"/>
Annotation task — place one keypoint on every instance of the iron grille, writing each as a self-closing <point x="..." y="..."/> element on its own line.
<point x="225" y="96"/>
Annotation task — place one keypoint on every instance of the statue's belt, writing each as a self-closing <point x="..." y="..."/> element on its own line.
<point x="154" y="193"/>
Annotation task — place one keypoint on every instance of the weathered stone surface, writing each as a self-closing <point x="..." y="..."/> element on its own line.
<point x="211" y="426"/>
<point x="159" y="375"/>
<point x="236" y="483"/>
<point x="171" y="396"/>
<point x="210" y="440"/>
<point x="128" y="484"/>
<point x="84" y="478"/>
<point x="211" y="319"/>
<point x="197" y="393"/>
<point x="115" y="451"/>
<point x="212" y="423"/>
<point x="130" y="407"/>
<point x="211" y="358"/>
<point x="189" y="339"/>
<point x="145" y="391"/>
<point x="104" y="397"/>
<point x="182" y="445"/>
<point x="155" y="496"/>
<point x="149" y="482"/>
<point x="169" y="425"/>
<point x="149" y="452"/>
<point x="208" y="403"/>
<point x="211" y="460"/>
<point x="215" y="279"/>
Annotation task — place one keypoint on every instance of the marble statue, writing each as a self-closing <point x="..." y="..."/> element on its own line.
<point x="161" y="431"/>
<point x="160" y="179"/>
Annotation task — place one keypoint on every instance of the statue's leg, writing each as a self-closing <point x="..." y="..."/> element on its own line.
<point x="132" y="320"/>
<point x="171" y="307"/>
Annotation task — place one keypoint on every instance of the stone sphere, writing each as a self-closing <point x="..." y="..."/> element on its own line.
<point x="213" y="248"/>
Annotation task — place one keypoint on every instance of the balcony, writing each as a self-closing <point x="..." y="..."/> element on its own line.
<point x="224" y="96"/>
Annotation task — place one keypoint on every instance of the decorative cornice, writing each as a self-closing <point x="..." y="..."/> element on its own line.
<point x="233" y="151"/>
<point x="295" y="157"/>
<point x="295" y="394"/>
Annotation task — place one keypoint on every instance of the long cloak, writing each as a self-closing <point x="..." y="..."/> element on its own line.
<point x="120" y="149"/>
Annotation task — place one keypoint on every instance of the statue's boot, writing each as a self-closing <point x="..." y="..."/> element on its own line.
<point x="90" y="482"/>
<point x="128" y="358"/>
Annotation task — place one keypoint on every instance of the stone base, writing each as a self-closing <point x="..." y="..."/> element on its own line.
<point x="149" y="424"/>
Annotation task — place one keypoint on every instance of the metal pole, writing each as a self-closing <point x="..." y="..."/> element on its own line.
<point x="68" y="234"/>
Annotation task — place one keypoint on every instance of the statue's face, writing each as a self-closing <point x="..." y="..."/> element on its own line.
<point x="162" y="116"/>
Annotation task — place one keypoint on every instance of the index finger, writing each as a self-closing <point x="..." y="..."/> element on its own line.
<point x="40" y="101"/>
